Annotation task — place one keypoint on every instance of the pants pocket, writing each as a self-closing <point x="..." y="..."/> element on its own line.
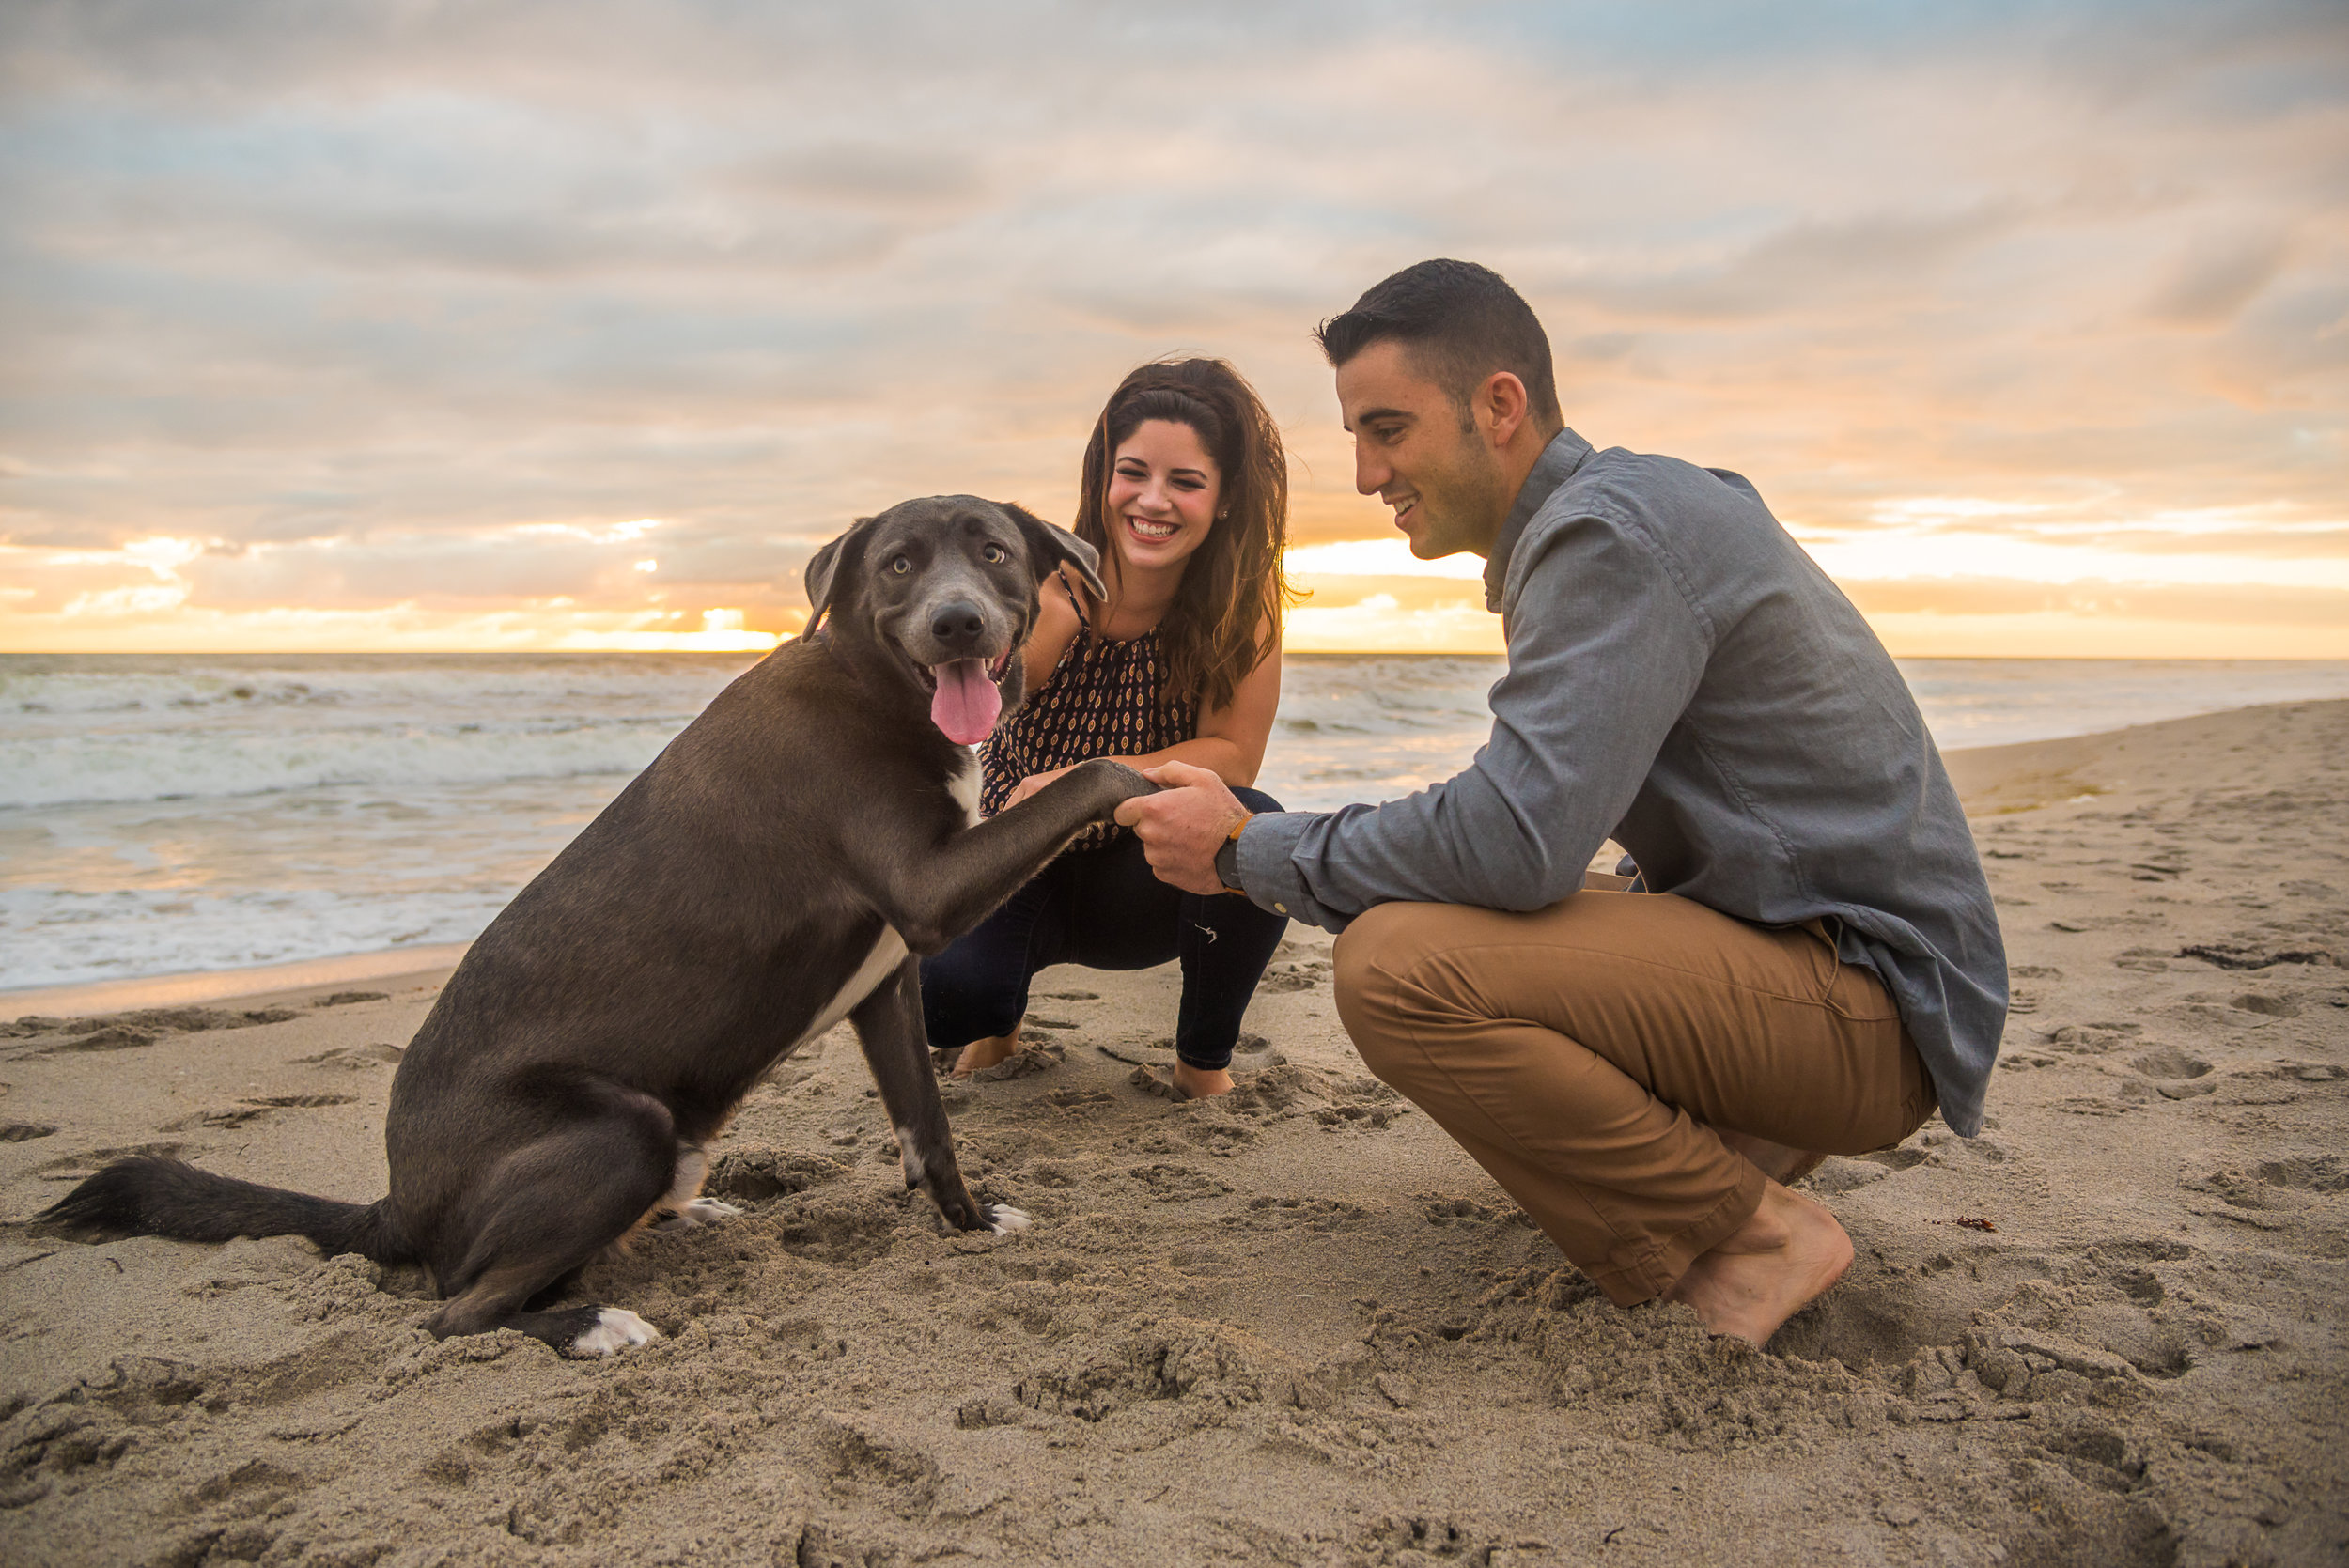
<point x="1851" y="991"/>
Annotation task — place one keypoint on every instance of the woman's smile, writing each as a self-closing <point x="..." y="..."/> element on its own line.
<point x="1164" y="489"/>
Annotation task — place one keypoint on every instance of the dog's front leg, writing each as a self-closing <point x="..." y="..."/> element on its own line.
<point x="935" y="895"/>
<point x="889" y="1027"/>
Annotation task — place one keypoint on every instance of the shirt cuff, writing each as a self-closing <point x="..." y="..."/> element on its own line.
<point x="1268" y="871"/>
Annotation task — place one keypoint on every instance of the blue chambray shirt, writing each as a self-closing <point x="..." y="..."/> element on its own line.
<point x="1684" y="679"/>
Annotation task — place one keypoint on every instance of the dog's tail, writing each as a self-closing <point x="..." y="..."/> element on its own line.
<point x="145" y="1196"/>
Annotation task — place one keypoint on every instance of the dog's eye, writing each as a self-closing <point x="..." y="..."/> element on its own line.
<point x="902" y="565"/>
<point x="995" y="554"/>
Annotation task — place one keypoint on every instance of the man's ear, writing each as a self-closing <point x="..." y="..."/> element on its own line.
<point x="1506" y="404"/>
<point x="823" y="569"/>
<point x="1048" y="547"/>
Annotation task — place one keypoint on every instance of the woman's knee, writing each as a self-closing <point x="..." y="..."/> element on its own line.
<point x="963" y="999"/>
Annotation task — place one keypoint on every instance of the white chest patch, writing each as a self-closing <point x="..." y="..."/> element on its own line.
<point x="879" y="963"/>
<point x="963" y="785"/>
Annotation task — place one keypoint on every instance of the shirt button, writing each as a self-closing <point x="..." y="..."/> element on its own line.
<point x="1280" y="908"/>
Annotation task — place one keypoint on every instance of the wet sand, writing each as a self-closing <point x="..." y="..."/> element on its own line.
<point x="1295" y="1325"/>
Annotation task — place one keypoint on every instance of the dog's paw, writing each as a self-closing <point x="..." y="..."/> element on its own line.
<point x="700" y="1212"/>
<point x="616" y="1330"/>
<point x="1002" y="1218"/>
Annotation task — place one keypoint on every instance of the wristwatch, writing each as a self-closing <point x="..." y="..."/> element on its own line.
<point x="1227" y="858"/>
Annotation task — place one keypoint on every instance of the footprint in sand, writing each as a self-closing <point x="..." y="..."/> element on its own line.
<point x="2267" y="1196"/>
<point x="1848" y="1173"/>
<point x="2174" y="1074"/>
<point x="251" y="1110"/>
<point x="1322" y="1215"/>
<point x="1030" y="1060"/>
<point x="1221" y="1138"/>
<point x="2093" y="1039"/>
<point x="2318" y="1173"/>
<point x="86" y="1163"/>
<point x="143" y="1027"/>
<point x="1443" y="1209"/>
<point x="2267" y="1005"/>
<point x="752" y="1176"/>
<point x="355" y="1058"/>
<point x="1399" y="1541"/>
<point x="1177" y="1181"/>
<point x="1303" y="975"/>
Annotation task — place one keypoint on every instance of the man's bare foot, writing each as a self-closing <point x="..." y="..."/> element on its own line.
<point x="1780" y="1162"/>
<point x="987" y="1053"/>
<point x="1790" y="1252"/>
<point x="1201" y="1083"/>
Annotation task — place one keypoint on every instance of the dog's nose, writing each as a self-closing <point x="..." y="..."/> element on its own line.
<point x="957" y="624"/>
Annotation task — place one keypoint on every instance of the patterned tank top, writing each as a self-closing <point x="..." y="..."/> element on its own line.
<point x="1100" y="701"/>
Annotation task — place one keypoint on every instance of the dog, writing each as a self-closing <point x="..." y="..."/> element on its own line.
<point x="776" y="870"/>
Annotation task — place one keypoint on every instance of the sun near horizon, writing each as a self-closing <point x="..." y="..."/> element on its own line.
<point x="1364" y="596"/>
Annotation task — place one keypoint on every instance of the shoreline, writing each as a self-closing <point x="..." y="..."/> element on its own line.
<point x="188" y="987"/>
<point x="1992" y="780"/>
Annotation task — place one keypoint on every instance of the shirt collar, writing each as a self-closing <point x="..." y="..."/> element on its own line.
<point x="1554" y="467"/>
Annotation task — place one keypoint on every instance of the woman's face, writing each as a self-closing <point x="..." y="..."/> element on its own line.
<point x="1164" y="493"/>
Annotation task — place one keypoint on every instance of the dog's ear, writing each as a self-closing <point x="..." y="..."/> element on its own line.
<point x="823" y="568"/>
<point x="1048" y="547"/>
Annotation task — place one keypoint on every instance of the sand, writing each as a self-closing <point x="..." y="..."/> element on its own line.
<point x="1297" y="1326"/>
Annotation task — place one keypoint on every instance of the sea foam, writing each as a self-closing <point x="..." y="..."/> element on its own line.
<point x="160" y="814"/>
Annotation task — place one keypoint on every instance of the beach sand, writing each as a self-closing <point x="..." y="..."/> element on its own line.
<point x="1298" y="1325"/>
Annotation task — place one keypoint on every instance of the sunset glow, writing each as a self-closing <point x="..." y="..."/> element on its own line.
<point x="512" y="329"/>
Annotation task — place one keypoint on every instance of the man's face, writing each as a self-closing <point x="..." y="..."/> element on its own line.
<point x="1446" y="485"/>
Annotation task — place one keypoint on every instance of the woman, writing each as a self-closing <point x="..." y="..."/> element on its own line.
<point x="1186" y="496"/>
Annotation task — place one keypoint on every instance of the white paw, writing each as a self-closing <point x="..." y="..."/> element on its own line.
<point x="616" y="1330"/>
<point x="700" y="1212"/>
<point x="1003" y="1218"/>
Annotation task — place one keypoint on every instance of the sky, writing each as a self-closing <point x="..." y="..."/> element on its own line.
<point x="406" y="325"/>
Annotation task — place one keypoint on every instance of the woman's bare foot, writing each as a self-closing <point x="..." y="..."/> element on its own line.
<point x="1773" y="1266"/>
<point x="987" y="1053"/>
<point x="1201" y="1083"/>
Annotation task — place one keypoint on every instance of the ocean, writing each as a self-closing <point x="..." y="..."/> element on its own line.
<point x="167" y="814"/>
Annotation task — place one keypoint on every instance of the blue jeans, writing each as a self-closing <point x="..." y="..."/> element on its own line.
<point x="1105" y="908"/>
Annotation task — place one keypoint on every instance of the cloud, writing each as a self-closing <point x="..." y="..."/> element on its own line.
<point x="2226" y="604"/>
<point x="2217" y="277"/>
<point x="368" y="292"/>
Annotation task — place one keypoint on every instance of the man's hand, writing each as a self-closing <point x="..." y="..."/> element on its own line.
<point x="1183" y="824"/>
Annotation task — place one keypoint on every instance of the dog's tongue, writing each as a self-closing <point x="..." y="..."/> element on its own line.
<point x="967" y="702"/>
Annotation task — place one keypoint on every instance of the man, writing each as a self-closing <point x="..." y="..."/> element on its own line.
<point x="1814" y="961"/>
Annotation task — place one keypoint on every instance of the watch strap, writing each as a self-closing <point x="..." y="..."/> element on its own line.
<point x="1227" y="857"/>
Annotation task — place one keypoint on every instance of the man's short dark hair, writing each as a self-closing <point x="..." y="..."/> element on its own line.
<point x="1462" y="323"/>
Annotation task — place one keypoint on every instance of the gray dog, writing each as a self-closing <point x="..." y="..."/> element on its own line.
<point x="773" y="872"/>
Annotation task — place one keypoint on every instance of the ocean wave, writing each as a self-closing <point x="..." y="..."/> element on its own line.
<point x="198" y="813"/>
<point x="35" y="688"/>
<point x="79" y="732"/>
<point x="60" y="939"/>
<point x="94" y="768"/>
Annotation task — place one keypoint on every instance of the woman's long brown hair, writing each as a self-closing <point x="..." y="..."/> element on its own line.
<point x="1233" y="584"/>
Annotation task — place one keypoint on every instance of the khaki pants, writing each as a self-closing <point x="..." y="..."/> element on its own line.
<point x="1584" y="1053"/>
